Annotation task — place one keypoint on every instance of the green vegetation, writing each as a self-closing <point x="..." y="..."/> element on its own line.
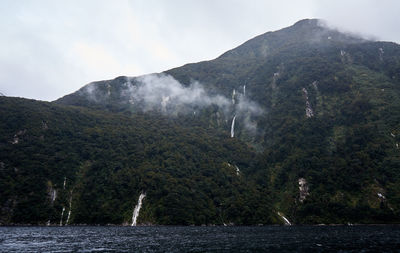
<point x="110" y="150"/>
<point x="108" y="159"/>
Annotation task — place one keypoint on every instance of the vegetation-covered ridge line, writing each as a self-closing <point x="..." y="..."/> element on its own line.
<point x="303" y="121"/>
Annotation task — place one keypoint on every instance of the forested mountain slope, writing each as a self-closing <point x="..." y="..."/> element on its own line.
<point x="313" y="114"/>
<point x="96" y="164"/>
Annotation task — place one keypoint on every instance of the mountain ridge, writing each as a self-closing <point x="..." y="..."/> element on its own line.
<point x="312" y="114"/>
<point x="317" y="26"/>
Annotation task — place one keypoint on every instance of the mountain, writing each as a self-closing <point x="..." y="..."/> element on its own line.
<point x="96" y="164"/>
<point x="310" y="115"/>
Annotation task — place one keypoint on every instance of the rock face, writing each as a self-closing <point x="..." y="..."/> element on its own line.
<point x="303" y="189"/>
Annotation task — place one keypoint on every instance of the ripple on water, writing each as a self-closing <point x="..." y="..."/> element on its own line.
<point x="200" y="239"/>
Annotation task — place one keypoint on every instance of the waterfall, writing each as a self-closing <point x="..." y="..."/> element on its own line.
<point x="53" y="194"/>
<point x="233" y="127"/>
<point x="69" y="214"/>
<point x="274" y="79"/>
<point x="62" y="215"/>
<point x="244" y="90"/>
<point x="108" y="89"/>
<point x="237" y="170"/>
<point x="69" y="211"/>
<point x="65" y="181"/>
<point x="381" y="53"/>
<point x="303" y="189"/>
<point x="233" y="96"/>
<point x="315" y="85"/>
<point x="287" y="222"/>
<point x="309" y="111"/>
<point x="137" y="209"/>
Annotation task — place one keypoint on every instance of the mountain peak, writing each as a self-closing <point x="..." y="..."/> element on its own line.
<point x="315" y="32"/>
<point x="309" y="22"/>
<point x="321" y="110"/>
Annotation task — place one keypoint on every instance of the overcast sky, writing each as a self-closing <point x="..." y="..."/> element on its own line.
<point x="51" y="48"/>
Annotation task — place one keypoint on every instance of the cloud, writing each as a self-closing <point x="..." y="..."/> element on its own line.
<point x="47" y="48"/>
<point x="39" y="56"/>
<point x="163" y="92"/>
<point x="96" y="58"/>
<point x="371" y="18"/>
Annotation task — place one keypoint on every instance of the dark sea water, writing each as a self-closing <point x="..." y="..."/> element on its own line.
<point x="377" y="238"/>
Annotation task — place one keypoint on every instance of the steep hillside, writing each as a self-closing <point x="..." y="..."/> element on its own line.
<point x="321" y="109"/>
<point x="71" y="165"/>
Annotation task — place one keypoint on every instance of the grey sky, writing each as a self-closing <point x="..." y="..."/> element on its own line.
<point x="51" y="48"/>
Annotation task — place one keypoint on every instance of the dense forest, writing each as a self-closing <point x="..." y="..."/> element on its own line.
<point x="101" y="162"/>
<point x="303" y="123"/>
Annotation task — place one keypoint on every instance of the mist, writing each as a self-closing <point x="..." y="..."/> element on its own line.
<point x="164" y="94"/>
<point x="161" y="91"/>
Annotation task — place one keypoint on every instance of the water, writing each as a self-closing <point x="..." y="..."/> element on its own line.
<point x="287" y="222"/>
<point x="69" y="211"/>
<point x="233" y="127"/>
<point x="201" y="239"/>
<point x="136" y="211"/>
<point x="309" y="111"/>
<point x="62" y="215"/>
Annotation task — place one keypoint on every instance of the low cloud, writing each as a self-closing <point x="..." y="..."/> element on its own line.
<point x="160" y="91"/>
<point x="163" y="93"/>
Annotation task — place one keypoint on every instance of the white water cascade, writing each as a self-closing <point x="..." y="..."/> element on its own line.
<point x="315" y="85"/>
<point x="303" y="189"/>
<point x="274" y="79"/>
<point x="381" y="53"/>
<point x="65" y="181"/>
<point x="233" y="127"/>
<point x="137" y="209"/>
<point x="309" y="111"/>
<point x="237" y="170"/>
<point x="287" y="222"/>
<point x="244" y="90"/>
<point x="62" y="215"/>
<point x="233" y="96"/>
<point x="108" y="90"/>
<point x="69" y="211"/>
<point x="53" y="195"/>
